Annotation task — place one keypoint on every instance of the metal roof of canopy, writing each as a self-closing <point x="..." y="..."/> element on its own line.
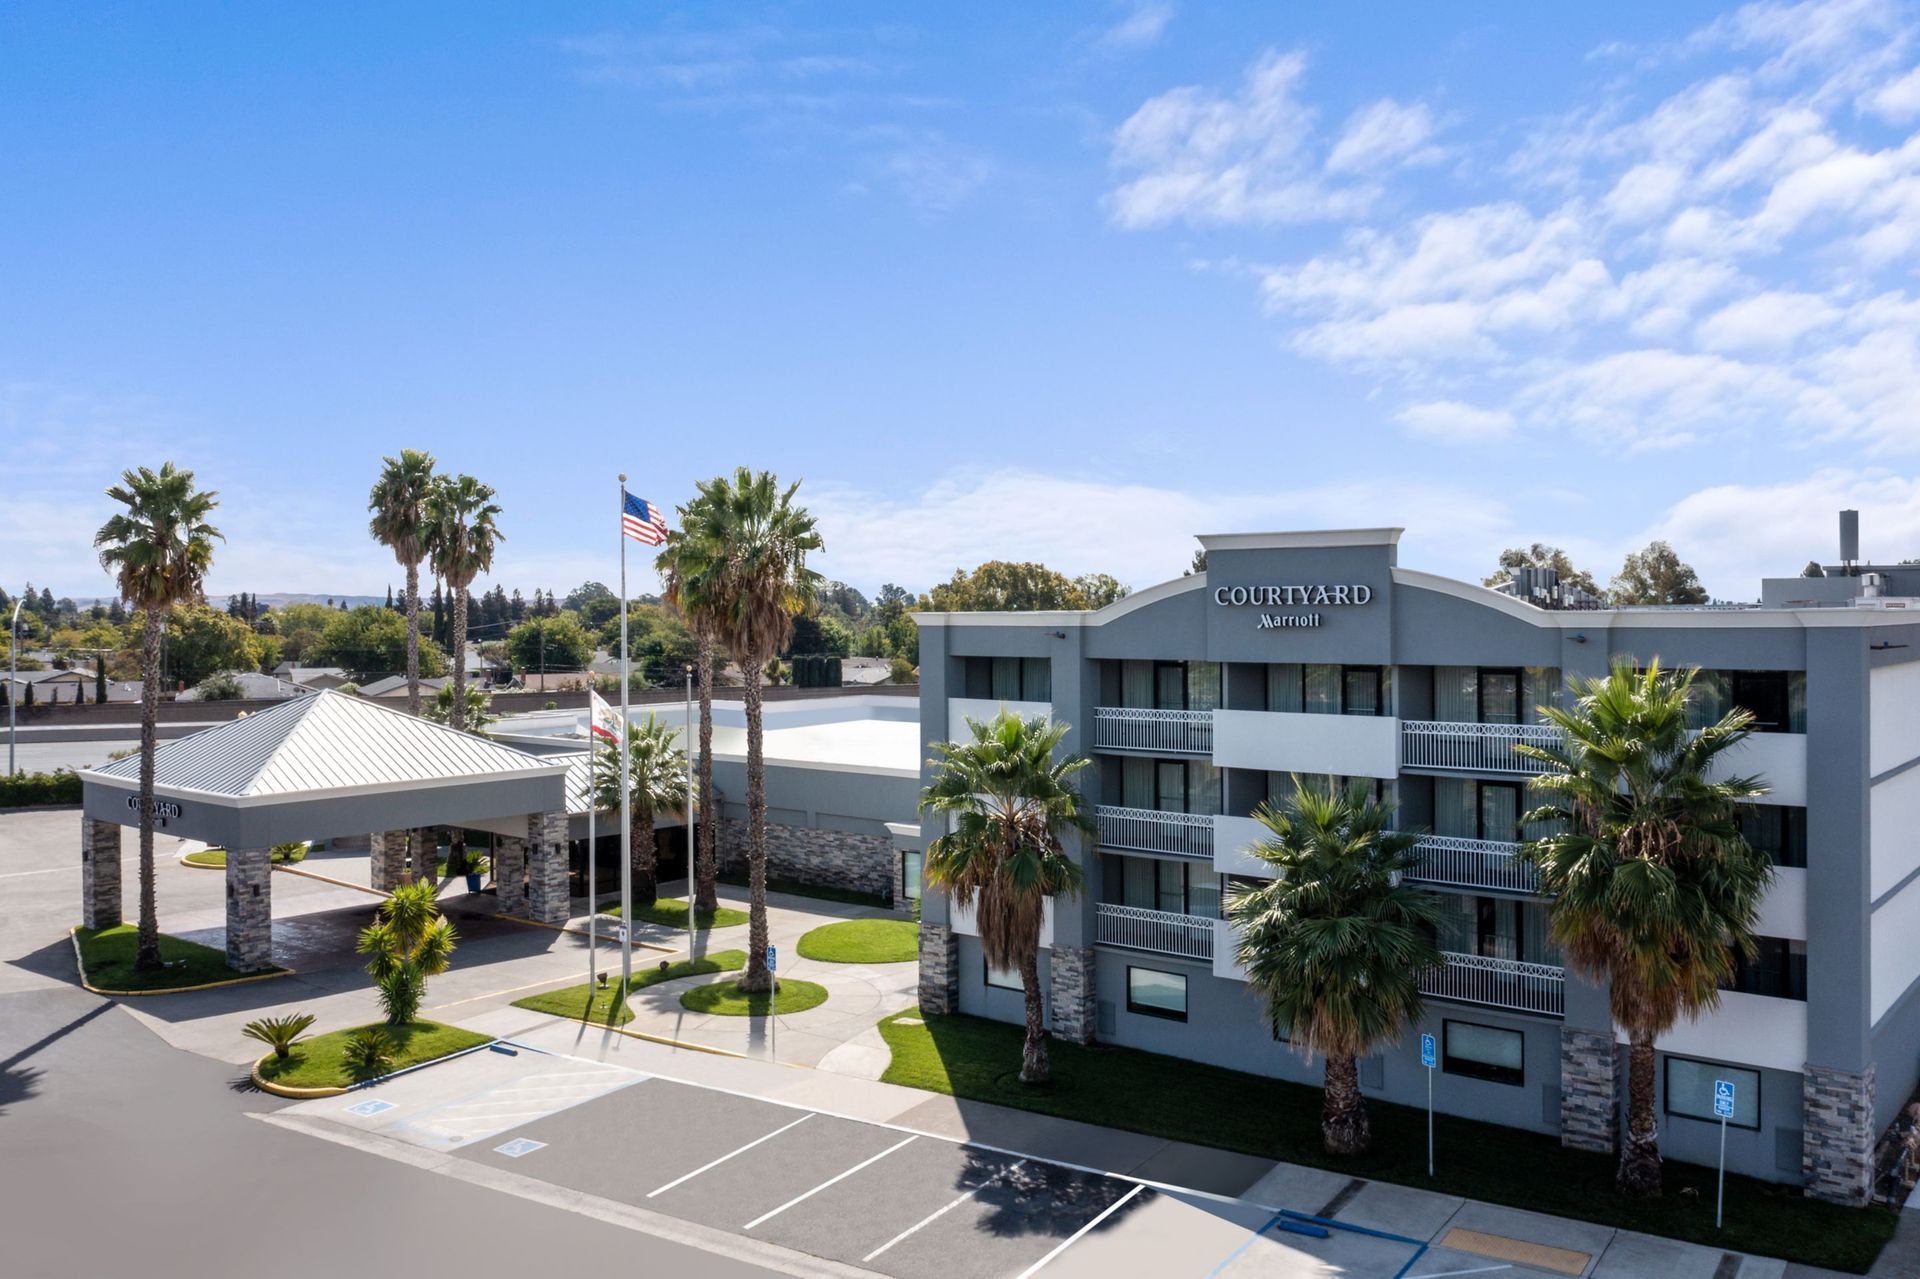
<point x="326" y="765"/>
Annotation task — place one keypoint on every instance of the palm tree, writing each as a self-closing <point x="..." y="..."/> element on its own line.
<point x="1334" y="945"/>
<point x="409" y="942"/>
<point x="461" y="539"/>
<point x="1651" y="887"/>
<point x="756" y="559"/>
<point x="687" y="565"/>
<point x="158" y="550"/>
<point x="658" y="785"/>
<point x="1010" y="802"/>
<point x="399" y="506"/>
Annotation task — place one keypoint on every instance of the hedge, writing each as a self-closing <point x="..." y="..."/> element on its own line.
<point x="24" y="790"/>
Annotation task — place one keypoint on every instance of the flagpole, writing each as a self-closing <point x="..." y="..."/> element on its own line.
<point x="626" y="771"/>
<point x="593" y="848"/>
<point x="686" y="743"/>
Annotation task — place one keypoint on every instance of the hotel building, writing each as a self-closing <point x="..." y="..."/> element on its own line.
<point x="1315" y="654"/>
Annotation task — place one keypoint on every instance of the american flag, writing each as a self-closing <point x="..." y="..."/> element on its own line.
<point x="641" y="520"/>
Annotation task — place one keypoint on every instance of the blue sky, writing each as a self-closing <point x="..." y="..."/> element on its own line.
<point x="1058" y="282"/>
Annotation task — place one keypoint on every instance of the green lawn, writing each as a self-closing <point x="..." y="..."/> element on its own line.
<point x="671" y="912"/>
<point x="819" y="892"/>
<point x="1144" y="1092"/>
<point x="722" y="997"/>
<point x="863" y="941"/>
<point x="602" y="1003"/>
<point x="107" y="956"/>
<point x="318" y="1062"/>
<point x="218" y="857"/>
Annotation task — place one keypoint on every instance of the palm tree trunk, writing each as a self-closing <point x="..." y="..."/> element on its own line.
<point x="756" y="978"/>
<point x="458" y="716"/>
<point x="147" y="954"/>
<point x="646" y="886"/>
<point x="1343" y="1115"/>
<point x="1639" y="1172"/>
<point x="413" y="638"/>
<point x="707" y="870"/>
<point x="1034" y="1065"/>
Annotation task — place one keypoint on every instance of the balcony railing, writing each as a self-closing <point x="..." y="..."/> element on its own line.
<point x="1498" y="983"/>
<point x="1159" y="931"/>
<point x="1472" y="748"/>
<point x="1146" y="830"/>
<point x="1129" y="728"/>
<point x="1474" y="863"/>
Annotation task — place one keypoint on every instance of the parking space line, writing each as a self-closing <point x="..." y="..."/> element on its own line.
<point x="1076" y="1236"/>
<point x="938" y="1213"/>
<point x="767" y="1216"/>
<point x="730" y="1154"/>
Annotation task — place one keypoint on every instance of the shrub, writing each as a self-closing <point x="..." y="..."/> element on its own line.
<point x="23" y="790"/>
<point x="222" y="687"/>
<point x="410" y="942"/>
<point x="279" y="1033"/>
<point x="287" y="854"/>
<point x="900" y="671"/>
<point x="368" y="1054"/>
<point x="551" y="705"/>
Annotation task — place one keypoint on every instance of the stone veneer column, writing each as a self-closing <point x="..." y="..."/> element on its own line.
<point x="939" y="969"/>
<point x="1837" y="1143"/>
<point x="249" y="910"/>
<point x="547" y="898"/>
<point x="99" y="874"/>
<point x="387" y="850"/>
<point x="426" y="855"/>
<point x="1073" y="992"/>
<point x="1589" y="1090"/>
<point x="510" y="875"/>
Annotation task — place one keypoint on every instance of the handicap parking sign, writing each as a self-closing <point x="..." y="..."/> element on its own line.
<point x="773" y="959"/>
<point x="1723" y="1098"/>
<point x="1428" y="1056"/>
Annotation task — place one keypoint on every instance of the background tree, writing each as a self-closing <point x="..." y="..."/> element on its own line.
<point x="399" y="506"/>
<point x="1651" y="890"/>
<point x="1004" y="586"/>
<point x="203" y="641"/>
<point x="1011" y="802"/>
<point x="371" y="640"/>
<point x="1540" y="555"/>
<point x="549" y="643"/>
<point x="301" y="626"/>
<point x="594" y="602"/>
<point x="1335" y="944"/>
<point x="477" y="715"/>
<point x="462" y="536"/>
<point x="409" y="942"/>
<point x="657" y="786"/>
<point x="158" y="550"/>
<point x="1656" y="576"/>
<point x="1197" y="565"/>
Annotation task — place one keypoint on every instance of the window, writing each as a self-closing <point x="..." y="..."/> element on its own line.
<point x="1690" y="1091"/>
<point x="1499" y="697"/>
<point x="1484" y="1052"/>
<point x="1002" y="978"/>
<point x="1360" y="691"/>
<point x="1777" y="699"/>
<point x="1154" y="883"/>
<point x="1778" y="969"/>
<point x="1170" y="686"/>
<point x="1776" y="830"/>
<point x="1036" y="679"/>
<point x="1157" y="994"/>
<point x="1322" y="690"/>
<point x="910" y="875"/>
<point x="1499" y="811"/>
<point x="1008" y="679"/>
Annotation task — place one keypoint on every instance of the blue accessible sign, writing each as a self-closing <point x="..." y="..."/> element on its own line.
<point x="773" y="959"/>
<point x="1428" y="1056"/>
<point x="1723" y="1098"/>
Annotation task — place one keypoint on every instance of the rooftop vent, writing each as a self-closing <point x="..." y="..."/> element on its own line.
<point x="1849" y="540"/>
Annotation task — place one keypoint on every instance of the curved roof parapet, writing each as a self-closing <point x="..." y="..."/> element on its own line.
<point x="1304" y="539"/>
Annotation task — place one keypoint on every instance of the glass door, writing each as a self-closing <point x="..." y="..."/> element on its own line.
<point x="1170" y="778"/>
<point x="1499" y="697"/>
<point x="1499" y="811"/>
<point x="1169" y="686"/>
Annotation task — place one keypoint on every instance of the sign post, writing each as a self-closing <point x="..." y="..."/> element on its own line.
<point x="1722" y="1107"/>
<point x="773" y="1004"/>
<point x="1429" y="1058"/>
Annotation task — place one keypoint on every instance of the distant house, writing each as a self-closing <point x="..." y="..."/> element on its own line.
<point x="396" y="686"/>
<point x="863" y="672"/>
<point x="255" y="687"/>
<point x="312" y="678"/>
<point x="50" y="687"/>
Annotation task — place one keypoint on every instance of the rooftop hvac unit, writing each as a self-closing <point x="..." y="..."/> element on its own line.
<point x="1873" y="585"/>
<point x="1849" y="538"/>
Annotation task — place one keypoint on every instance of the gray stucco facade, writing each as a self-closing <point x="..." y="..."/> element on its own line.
<point x="1317" y="654"/>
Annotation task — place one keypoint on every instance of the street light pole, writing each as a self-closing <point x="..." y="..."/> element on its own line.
<point x="13" y="670"/>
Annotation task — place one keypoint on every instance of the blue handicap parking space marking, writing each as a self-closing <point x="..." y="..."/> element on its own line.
<point x="368" y="1108"/>
<point x="519" y="1146"/>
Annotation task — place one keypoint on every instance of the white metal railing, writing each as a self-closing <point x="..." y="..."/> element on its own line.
<point x="1160" y="931"/>
<point x="1498" y="983"/>
<point x="1472" y="748"/>
<point x="1474" y="863"/>
<point x="1131" y="728"/>
<point x="1148" y="830"/>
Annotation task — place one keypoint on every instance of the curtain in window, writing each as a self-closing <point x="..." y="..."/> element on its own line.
<point x="1006" y="679"/>
<point x="1796" y="701"/>
<point x="1500" y="697"/>
<point x="1499" y="812"/>
<point x="1459" y="924"/>
<point x="1279" y="790"/>
<point x="1323" y="690"/>
<point x="1283" y="687"/>
<point x="1137" y="782"/>
<point x="1456" y="694"/>
<point x="1539" y="686"/>
<point x="1203" y="788"/>
<point x="1455" y="808"/>
<point x="1169" y="686"/>
<point x="1203" y="686"/>
<point x="1536" y="945"/>
<point x="1136" y="684"/>
<point x="1138" y="883"/>
<point x="1036" y="679"/>
<point x="1362" y="692"/>
<point x="1203" y="892"/>
<point x="1171" y="880"/>
<point x="1710" y="699"/>
<point x="1171" y="776"/>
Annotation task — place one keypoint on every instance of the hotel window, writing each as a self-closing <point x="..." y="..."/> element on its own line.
<point x="1690" y="1091"/>
<point x="1495" y="928"/>
<point x="1484" y="1052"/>
<point x="1325" y="689"/>
<point x="1360" y="691"/>
<point x="1009" y="679"/>
<point x="1778" y="969"/>
<point x="1776" y="699"/>
<point x="1157" y="994"/>
<point x="1778" y="830"/>
<point x="1151" y="883"/>
<point x="1002" y="978"/>
<point x="1280" y="786"/>
<point x="1468" y="809"/>
<point x="1162" y="785"/>
<point x="1493" y="695"/>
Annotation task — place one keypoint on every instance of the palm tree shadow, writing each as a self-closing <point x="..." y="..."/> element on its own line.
<point x="18" y="1084"/>
<point x="1041" y="1198"/>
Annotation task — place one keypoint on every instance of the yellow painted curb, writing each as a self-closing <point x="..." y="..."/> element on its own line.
<point x="664" y="1039"/>
<point x="73" y="935"/>
<point x="182" y="859"/>
<point x="581" y="932"/>
<point x="297" y="1094"/>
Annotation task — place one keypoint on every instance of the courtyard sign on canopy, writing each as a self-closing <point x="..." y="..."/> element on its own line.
<point x="1310" y="596"/>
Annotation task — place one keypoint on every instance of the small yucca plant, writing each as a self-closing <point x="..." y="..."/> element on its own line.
<point x="279" y="1033"/>
<point x="369" y="1053"/>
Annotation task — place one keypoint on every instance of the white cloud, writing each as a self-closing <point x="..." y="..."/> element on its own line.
<point x="1457" y="423"/>
<point x="1898" y="100"/>
<point x="1383" y="134"/>
<point x="1645" y="192"/>
<point x="1140" y="29"/>
<point x="1770" y="321"/>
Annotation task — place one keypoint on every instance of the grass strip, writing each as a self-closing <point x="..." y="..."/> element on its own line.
<point x="320" y="1062"/>
<point x="217" y="857"/>
<point x="1144" y="1092"/>
<point x="107" y="955"/>
<point x="671" y="912"/>
<point x="725" y="999"/>
<point x="863" y="941"/>
<point x="603" y="1004"/>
